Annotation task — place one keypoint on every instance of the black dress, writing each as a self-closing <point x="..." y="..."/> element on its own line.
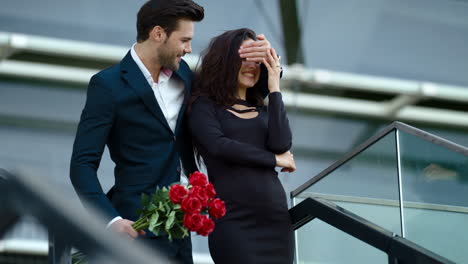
<point x="239" y="156"/>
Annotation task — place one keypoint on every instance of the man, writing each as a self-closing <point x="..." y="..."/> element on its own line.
<point x="137" y="108"/>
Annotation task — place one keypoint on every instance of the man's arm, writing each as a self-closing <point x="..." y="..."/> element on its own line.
<point x="93" y="129"/>
<point x="91" y="137"/>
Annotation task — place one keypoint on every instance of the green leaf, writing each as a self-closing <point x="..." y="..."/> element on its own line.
<point x="155" y="198"/>
<point x="156" y="230"/>
<point x="153" y="220"/>
<point x="170" y="221"/>
<point x="167" y="207"/>
<point x="144" y="199"/>
<point x="176" y="206"/>
<point x="151" y="207"/>
<point x="161" y="207"/>
<point x="179" y="231"/>
<point x="184" y="230"/>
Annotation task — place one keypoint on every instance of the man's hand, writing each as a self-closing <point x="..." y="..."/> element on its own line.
<point x="256" y="50"/>
<point x="124" y="227"/>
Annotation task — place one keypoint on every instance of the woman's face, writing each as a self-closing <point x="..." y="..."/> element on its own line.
<point x="249" y="71"/>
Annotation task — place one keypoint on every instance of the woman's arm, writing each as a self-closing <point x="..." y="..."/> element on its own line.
<point x="279" y="133"/>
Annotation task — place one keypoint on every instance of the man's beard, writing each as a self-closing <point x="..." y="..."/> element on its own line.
<point x="167" y="59"/>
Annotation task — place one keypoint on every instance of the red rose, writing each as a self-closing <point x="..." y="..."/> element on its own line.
<point x="198" y="179"/>
<point x="177" y="193"/>
<point x="207" y="227"/>
<point x="191" y="205"/>
<point x="217" y="208"/>
<point x="200" y="193"/>
<point x="210" y="191"/>
<point x="193" y="222"/>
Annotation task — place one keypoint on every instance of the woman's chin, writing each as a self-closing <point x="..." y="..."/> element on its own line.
<point x="249" y="84"/>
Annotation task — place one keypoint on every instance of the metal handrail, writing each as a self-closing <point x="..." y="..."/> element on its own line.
<point x="403" y="106"/>
<point x="393" y="126"/>
<point x="67" y="222"/>
<point x="398" y="249"/>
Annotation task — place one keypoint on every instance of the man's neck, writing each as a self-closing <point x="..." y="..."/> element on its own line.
<point x="147" y="56"/>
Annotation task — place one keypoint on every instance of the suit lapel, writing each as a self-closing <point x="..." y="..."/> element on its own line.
<point x="135" y="78"/>
<point x="184" y="73"/>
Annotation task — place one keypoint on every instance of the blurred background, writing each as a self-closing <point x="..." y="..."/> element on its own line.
<point x="351" y="67"/>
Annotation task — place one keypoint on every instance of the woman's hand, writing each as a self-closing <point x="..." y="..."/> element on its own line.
<point x="273" y="65"/>
<point x="286" y="161"/>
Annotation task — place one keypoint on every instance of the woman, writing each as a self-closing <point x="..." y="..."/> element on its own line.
<point x="241" y="142"/>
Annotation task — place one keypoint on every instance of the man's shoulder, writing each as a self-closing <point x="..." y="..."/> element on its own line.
<point x="109" y="73"/>
<point x="184" y="65"/>
<point x="184" y="69"/>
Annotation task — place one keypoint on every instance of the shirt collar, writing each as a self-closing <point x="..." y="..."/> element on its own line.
<point x="163" y="76"/>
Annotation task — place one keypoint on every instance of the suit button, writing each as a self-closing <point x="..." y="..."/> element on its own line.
<point x="178" y="169"/>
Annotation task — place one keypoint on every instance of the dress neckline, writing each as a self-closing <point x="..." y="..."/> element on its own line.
<point x="243" y="102"/>
<point x="251" y="108"/>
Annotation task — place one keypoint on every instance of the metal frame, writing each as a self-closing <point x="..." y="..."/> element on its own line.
<point x="398" y="249"/>
<point x="400" y="183"/>
<point x="383" y="202"/>
<point x="384" y="132"/>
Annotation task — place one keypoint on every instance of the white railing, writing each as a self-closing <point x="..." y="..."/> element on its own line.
<point x="402" y="107"/>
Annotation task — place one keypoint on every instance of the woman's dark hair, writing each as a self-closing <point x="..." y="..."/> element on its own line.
<point x="217" y="76"/>
<point x="166" y="14"/>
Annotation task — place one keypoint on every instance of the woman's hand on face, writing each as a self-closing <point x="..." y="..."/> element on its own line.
<point x="286" y="161"/>
<point x="255" y="51"/>
<point x="273" y="65"/>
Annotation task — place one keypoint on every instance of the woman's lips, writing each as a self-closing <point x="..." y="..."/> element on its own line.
<point x="249" y="74"/>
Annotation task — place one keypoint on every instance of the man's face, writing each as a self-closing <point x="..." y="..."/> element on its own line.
<point x="177" y="45"/>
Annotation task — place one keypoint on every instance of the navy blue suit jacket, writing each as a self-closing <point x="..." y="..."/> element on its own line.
<point x="122" y="112"/>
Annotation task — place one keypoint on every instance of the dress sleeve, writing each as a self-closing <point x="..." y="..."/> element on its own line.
<point x="208" y="136"/>
<point x="279" y="133"/>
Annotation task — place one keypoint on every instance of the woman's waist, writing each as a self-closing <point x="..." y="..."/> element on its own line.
<point x="243" y="210"/>
<point x="252" y="194"/>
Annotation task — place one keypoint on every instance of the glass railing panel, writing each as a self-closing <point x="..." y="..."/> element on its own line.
<point x="319" y="242"/>
<point x="435" y="194"/>
<point x="365" y="184"/>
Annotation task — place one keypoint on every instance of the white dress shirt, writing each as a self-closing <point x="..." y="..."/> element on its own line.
<point x="169" y="92"/>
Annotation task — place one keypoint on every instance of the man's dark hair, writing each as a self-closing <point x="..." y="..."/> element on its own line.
<point x="166" y="14"/>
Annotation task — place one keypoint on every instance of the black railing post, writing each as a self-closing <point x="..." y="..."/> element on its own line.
<point x="392" y="260"/>
<point x="59" y="249"/>
<point x="9" y="217"/>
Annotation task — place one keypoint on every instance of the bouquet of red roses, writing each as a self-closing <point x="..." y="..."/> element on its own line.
<point x="177" y="210"/>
